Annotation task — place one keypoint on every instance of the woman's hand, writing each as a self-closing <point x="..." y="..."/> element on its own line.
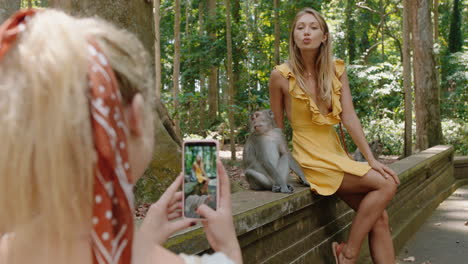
<point x="158" y="224"/>
<point x="219" y="226"/>
<point x="384" y="170"/>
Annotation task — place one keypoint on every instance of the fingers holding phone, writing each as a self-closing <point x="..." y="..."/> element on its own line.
<point x="200" y="176"/>
<point x="219" y="225"/>
<point x="162" y="221"/>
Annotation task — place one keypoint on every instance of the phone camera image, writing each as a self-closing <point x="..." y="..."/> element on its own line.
<point x="200" y="176"/>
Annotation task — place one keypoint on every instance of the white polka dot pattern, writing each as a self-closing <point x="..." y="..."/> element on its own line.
<point x="113" y="203"/>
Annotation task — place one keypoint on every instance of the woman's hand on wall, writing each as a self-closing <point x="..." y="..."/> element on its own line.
<point x="384" y="170"/>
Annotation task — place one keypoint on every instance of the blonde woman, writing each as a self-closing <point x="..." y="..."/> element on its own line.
<point x="313" y="90"/>
<point x="199" y="168"/>
<point x="77" y="132"/>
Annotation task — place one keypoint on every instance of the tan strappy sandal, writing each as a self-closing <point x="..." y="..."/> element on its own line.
<point x="337" y="249"/>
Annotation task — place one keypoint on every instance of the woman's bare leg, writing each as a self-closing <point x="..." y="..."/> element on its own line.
<point x="377" y="192"/>
<point x="380" y="239"/>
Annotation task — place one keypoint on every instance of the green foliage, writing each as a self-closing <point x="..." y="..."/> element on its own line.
<point x="35" y="3"/>
<point x="377" y="90"/>
<point x="456" y="134"/>
<point x="372" y="48"/>
<point x="454" y="101"/>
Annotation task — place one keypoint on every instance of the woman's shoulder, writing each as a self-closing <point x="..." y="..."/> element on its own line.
<point x="339" y="66"/>
<point x="283" y="69"/>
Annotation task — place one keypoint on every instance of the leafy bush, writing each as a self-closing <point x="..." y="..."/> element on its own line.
<point x="456" y="134"/>
<point x="454" y="96"/>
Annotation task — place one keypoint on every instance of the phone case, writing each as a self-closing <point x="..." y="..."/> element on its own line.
<point x="184" y="184"/>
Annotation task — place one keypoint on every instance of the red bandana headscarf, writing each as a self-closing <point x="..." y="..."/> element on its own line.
<point x="112" y="220"/>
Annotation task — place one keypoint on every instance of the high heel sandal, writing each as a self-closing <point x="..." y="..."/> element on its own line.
<point x="337" y="250"/>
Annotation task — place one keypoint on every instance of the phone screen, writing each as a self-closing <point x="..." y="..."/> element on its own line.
<point x="200" y="176"/>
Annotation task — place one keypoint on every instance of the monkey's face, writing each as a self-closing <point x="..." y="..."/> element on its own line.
<point x="376" y="146"/>
<point x="261" y="122"/>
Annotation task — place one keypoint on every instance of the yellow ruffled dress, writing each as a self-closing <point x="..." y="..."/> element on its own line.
<point x="316" y="145"/>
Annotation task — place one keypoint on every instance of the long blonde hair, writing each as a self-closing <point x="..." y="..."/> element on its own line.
<point x="47" y="152"/>
<point x="324" y="62"/>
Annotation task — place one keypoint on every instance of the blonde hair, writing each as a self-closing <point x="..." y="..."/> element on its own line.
<point x="324" y="62"/>
<point x="47" y="157"/>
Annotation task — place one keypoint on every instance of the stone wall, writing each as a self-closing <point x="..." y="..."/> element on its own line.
<point x="461" y="167"/>
<point x="299" y="228"/>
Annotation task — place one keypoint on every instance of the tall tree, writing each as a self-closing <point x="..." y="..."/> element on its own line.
<point x="134" y="15"/>
<point x="238" y="49"/>
<point x="455" y="35"/>
<point x="7" y="8"/>
<point x="157" y="47"/>
<point x="436" y="20"/>
<point x="230" y="80"/>
<point x="277" y="32"/>
<point x="213" y="78"/>
<point x="427" y="104"/>
<point x="176" y="69"/>
<point x="350" y="32"/>
<point x="407" y="76"/>
<point x="381" y="27"/>
<point x="202" y="102"/>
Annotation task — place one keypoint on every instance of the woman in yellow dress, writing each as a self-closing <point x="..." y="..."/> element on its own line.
<point x="199" y="170"/>
<point x="313" y="90"/>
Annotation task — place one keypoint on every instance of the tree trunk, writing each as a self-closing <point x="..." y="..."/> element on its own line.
<point x="61" y="4"/>
<point x="7" y="8"/>
<point x="382" y="15"/>
<point x="230" y="80"/>
<point x="136" y="16"/>
<point x="455" y="35"/>
<point x="187" y="17"/>
<point x="213" y="78"/>
<point x="202" y="101"/>
<point x="277" y="32"/>
<point x="176" y="72"/>
<point x="350" y="32"/>
<point x="436" y="21"/>
<point x="427" y="105"/>
<point x="157" y="48"/>
<point x="238" y="49"/>
<point x="30" y="4"/>
<point x="407" y="77"/>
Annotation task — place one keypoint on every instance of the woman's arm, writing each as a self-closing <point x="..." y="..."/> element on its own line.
<point x="276" y="97"/>
<point x="354" y="127"/>
<point x="351" y="121"/>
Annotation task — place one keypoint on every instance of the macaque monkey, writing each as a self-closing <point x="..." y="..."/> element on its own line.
<point x="266" y="158"/>
<point x="376" y="147"/>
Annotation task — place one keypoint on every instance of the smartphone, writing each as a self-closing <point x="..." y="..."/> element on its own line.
<point x="200" y="175"/>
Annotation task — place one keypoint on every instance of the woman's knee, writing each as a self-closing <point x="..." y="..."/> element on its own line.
<point x="388" y="187"/>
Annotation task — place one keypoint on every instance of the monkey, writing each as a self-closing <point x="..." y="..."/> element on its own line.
<point x="376" y="147"/>
<point x="266" y="158"/>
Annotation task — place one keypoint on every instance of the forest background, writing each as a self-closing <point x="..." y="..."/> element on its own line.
<point x="213" y="59"/>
